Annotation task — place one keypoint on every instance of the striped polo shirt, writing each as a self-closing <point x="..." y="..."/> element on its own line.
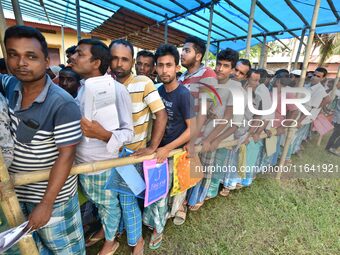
<point x="145" y="100"/>
<point x="52" y="121"/>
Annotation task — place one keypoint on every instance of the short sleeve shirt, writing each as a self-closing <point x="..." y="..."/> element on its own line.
<point x="52" y="121"/>
<point x="145" y="100"/>
<point x="179" y="106"/>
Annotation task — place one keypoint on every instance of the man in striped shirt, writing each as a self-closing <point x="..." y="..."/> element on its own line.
<point x="45" y="123"/>
<point x="145" y="100"/>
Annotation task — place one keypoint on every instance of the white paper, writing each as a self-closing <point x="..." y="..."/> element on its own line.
<point x="100" y="100"/>
<point x="11" y="236"/>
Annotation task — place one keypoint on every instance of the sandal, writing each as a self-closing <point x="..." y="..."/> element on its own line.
<point x="224" y="192"/>
<point x="92" y="240"/>
<point x="180" y="216"/>
<point x="196" y="207"/>
<point x="113" y="250"/>
<point x="156" y="241"/>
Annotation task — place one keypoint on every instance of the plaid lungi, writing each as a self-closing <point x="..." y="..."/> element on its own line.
<point x="198" y="193"/>
<point x="131" y="218"/>
<point x="105" y="200"/>
<point x="131" y="215"/>
<point x="221" y="159"/>
<point x="65" y="237"/>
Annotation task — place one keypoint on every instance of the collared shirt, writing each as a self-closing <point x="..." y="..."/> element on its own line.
<point x="93" y="149"/>
<point x="52" y="121"/>
<point x="6" y="141"/>
<point x="145" y="100"/>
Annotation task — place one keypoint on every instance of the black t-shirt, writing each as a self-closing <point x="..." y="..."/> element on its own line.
<point x="179" y="105"/>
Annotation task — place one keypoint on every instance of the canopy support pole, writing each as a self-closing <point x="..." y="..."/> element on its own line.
<point x="2" y="30"/>
<point x="289" y="68"/>
<point x="12" y="210"/>
<point x="263" y="52"/>
<point x="291" y="131"/>
<point x="78" y="20"/>
<point x="299" y="49"/>
<point x="209" y="33"/>
<point x="63" y="43"/>
<point x="166" y="29"/>
<point x="250" y="27"/>
<point x="17" y="12"/>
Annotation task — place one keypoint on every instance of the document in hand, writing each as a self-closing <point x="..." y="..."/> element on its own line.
<point x="11" y="236"/>
<point x="100" y="101"/>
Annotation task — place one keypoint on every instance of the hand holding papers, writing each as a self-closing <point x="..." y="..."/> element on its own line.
<point x="11" y="236"/>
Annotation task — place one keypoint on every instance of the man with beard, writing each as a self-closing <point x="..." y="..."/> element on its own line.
<point x="91" y="61"/>
<point x="145" y="101"/>
<point x="180" y="111"/>
<point x="45" y="121"/>
<point x="197" y="78"/>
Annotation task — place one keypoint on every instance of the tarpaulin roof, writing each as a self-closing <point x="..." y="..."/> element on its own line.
<point x="278" y="19"/>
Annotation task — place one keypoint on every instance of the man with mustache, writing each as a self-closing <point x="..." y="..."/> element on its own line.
<point x="91" y="60"/>
<point x="145" y="101"/>
<point x="45" y="121"/>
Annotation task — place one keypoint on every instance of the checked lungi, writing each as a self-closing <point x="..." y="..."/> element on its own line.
<point x="65" y="237"/>
<point x="93" y="187"/>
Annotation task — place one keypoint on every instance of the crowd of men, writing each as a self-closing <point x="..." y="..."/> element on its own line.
<point x="157" y="112"/>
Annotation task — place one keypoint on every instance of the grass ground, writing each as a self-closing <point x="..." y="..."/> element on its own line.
<point x="293" y="216"/>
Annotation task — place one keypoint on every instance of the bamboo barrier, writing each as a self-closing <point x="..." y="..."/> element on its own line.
<point x="43" y="175"/>
<point x="10" y="203"/>
<point x="12" y="210"/>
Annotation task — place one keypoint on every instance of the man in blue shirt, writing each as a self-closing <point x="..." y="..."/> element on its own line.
<point x="45" y="122"/>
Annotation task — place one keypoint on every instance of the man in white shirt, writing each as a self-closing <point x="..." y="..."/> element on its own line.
<point x="92" y="59"/>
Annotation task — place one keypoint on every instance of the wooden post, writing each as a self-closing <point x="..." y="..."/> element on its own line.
<point x="209" y="33"/>
<point x="291" y="131"/>
<point x="250" y="27"/>
<point x="12" y="210"/>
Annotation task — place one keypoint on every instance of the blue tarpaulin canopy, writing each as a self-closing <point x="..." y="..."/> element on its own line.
<point x="277" y="19"/>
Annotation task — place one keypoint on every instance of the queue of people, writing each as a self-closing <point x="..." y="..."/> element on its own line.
<point x="43" y="127"/>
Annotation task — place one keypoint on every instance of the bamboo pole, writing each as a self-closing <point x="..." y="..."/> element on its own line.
<point x="291" y="131"/>
<point x="289" y="68"/>
<point x="43" y="175"/>
<point x="299" y="49"/>
<point x="209" y="33"/>
<point x="12" y="210"/>
<point x="2" y="30"/>
<point x="263" y="52"/>
<point x="250" y="27"/>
